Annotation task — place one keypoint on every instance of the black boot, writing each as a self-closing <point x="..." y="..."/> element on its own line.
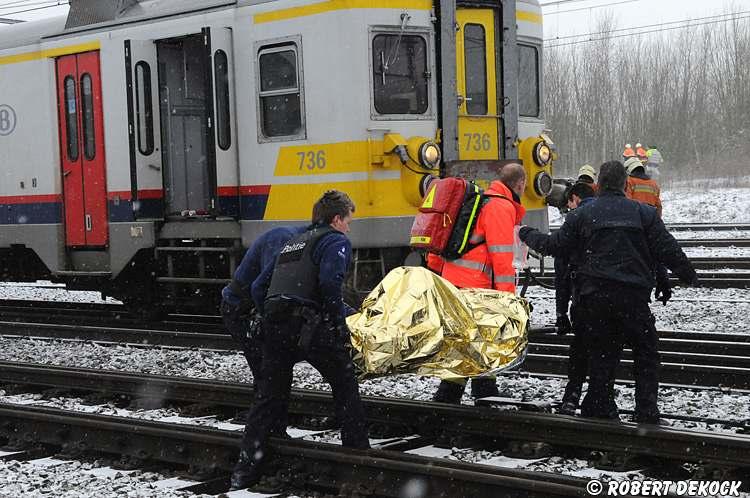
<point x="570" y="400"/>
<point x="567" y="407"/>
<point x="484" y="387"/>
<point x="245" y="473"/>
<point x="449" y="392"/>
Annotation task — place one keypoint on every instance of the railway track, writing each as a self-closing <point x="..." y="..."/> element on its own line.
<point x="412" y="424"/>
<point x="698" y="227"/>
<point x="688" y="358"/>
<point x="299" y="464"/>
<point x="714" y="280"/>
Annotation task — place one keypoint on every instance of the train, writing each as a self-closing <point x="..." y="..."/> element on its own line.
<point x="144" y="144"/>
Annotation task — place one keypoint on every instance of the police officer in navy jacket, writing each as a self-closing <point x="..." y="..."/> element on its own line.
<point x="242" y="300"/>
<point x="304" y="318"/>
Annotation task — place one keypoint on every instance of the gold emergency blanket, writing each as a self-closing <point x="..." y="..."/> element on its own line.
<point x="417" y="322"/>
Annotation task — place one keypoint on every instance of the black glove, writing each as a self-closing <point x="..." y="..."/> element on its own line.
<point x="663" y="293"/>
<point x="523" y="232"/>
<point x="563" y="325"/>
<point x="341" y="332"/>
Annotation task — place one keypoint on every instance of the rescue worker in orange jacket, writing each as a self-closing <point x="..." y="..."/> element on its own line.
<point x="641" y="153"/>
<point x="640" y="187"/>
<point x="628" y="152"/>
<point x="489" y="265"/>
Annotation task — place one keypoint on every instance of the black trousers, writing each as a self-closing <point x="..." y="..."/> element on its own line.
<point x="329" y="355"/>
<point x="609" y="320"/>
<point x="578" y="360"/>
<point x="243" y="329"/>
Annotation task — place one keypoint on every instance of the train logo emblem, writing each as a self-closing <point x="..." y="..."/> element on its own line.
<point x="7" y="120"/>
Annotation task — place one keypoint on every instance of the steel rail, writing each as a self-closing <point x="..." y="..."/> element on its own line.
<point x="709" y="360"/>
<point x="697" y="227"/>
<point x="719" y="280"/>
<point x="425" y="418"/>
<point x="312" y="464"/>
<point x="714" y="242"/>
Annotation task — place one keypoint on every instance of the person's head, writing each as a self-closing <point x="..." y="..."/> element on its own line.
<point x="632" y="165"/>
<point x="628" y="146"/>
<point x="577" y="192"/>
<point x="587" y="174"/>
<point x="612" y="176"/>
<point x="514" y="177"/>
<point x="652" y="146"/>
<point x="638" y="145"/>
<point x="334" y="208"/>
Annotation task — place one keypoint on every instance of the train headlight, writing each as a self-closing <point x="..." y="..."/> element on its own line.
<point x="543" y="184"/>
<point x="542" y="154"/>
<point x="429" y="155"/>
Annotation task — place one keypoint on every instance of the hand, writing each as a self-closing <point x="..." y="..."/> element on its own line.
<point x="663" y="294"/>
<point x="563" y="325"/>
<point x="343" y="333"/>
<point x="523" y="232"/>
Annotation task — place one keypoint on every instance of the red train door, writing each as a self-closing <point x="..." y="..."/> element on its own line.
<point x="82" y="150"/>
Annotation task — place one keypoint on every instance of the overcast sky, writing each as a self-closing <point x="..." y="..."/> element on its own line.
<point x="565" y="18"/>
<point x="573" y="17"/>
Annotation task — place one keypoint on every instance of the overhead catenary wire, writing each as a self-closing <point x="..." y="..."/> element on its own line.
<point x="58" y="3"/>
<point x="27" y="3"/>
<point x="639" y="33"/>
<point x="610" y="4"/>
<point x="22" y="3"/>
<point x="633" y="28"/>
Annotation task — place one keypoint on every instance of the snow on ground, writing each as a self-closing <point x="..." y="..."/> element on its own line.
<point x="49" y="477"/>
<point x="231" y="367"/>
<point x="47" y="291"/>
<point x="689" y="204"/>
<point x="717" y="252"/>
<point x="692" y="309"/>
<point x="702" y="205"/>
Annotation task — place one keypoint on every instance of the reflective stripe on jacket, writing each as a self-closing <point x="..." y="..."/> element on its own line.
<point x="644" y="190"/>
<point x="489" y="265"/>
<point x="654" y="156"/>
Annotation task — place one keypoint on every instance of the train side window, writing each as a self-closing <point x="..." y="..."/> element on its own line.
<point x="71" y="117"/>
<point x="221" y="74"/>
<point x="475" y="62"/>
<point x="143" y="108"/>
<point x="280" y="92"/>
<point x="400" y="74"/>
<point x="528" y="81"/>
<point x="87" y="109"/>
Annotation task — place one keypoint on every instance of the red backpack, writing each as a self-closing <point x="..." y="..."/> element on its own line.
<point x="447" y="217"/>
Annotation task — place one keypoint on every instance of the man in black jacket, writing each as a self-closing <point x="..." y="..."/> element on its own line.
<point x="622" y="242"/>
<point x="578" y="195"/>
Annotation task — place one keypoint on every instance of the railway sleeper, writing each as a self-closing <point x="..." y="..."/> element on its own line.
<point x="711" y="472"/>
<point x="617" y="461"/>
<point x="103" y="398"/>
<point x="528" y="450"/>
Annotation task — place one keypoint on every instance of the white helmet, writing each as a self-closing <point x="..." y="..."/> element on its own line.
<point x="632" y="164"/>
<point x="638" y="145"/>
<point x="627" y="146"/>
